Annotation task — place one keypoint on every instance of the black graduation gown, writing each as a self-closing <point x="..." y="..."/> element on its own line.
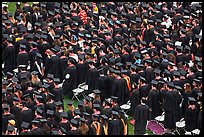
<point x="91" y="79"/>
<point x="63" y="66"/>
<point x="170" y="110"/>
<point x="22" y="59"/>
<point x="144" y="91"/>
<point x="58" y="93"/>
<point x="26" y="116"/>
<point x="36" y="131"/>
<point x="153" y="102"/>
<point x="199" y="123"/>
<point x="141" y="116"/>
<point x="70" y="115"/>
<point x="185" y="101"/>
<point x="5" y="119"/>
<point x="102" y="85"/>
<point x="134" y="100"/>
<point x="16" y="111"/>
<point x="25" y="133"/>
<point x="81" y="73"/>
<point x="50" y="106"/>
<point x="120" y="90"/>
<point x="8" y="56"/>
<point x="134" y="78"/>
<point x="74" y="132"/>
<point x="106" y="111"/>
<point x="92" y="130"/>
<point x="52" y="66"/>
<point x="70" y="83"/>
<point x="149" y="75"/>
<point x="191" y="117"/>
<point x="125" y="58"/>
<point x="66" y="126"/>
<point x="114" y="127"/>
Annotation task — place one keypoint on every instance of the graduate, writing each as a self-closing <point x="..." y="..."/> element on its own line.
<point x="141" y="115"/>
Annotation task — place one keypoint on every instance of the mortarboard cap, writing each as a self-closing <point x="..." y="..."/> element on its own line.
<point x="143" y="79"/>
<point x="4" y="82"/>
<point x="96" y="105"/>
<point x="9" y="88"/>
<point x="34" y="72"/>
<point x="196" y="80"/>
<point x="50" y="76"/>
<point x="39" y="110"/>
<point x="171" y="63"/>
<point x="178" y="87"/>
<point x="83" y="119"/>
<point x="64" y="114"/>
<point x="157" y="71"/>
<point x="199" y="64"/>
<point x="197" y="58"/>
<point x="70" y="103"/>
<point x="81" y="103"/>
<point x="58" y="103"/>
<point x="200" y="94"/>
<point x="182" y="72"/>
<point x="57" y="80"/>
<point x="14" y="79"/>
<point x="192" y="99"/>
<point x="6" y="106"/>
<point x="176" y="73"/>
<point x="114" y="98"/>
<point x="15" y="99"/>
<point x="154" y="82"/>
<point x="24" y="125"/>
<point x="115" y="113"/>
<point x="50" y="112"/>
<point x="54" y="132"/>
<point x="35" y="121"/>
<point x="26" y="95"/>
<point x="96" y="91"/>
<point x="10" y="128"/>
<point x="170" y="84"/>
<point x="104" y="117"/>
<point x="39" y="97"/>
<point x="22" y="46"/>
<point x="74" y="121"/>
<point x="86" y="114"/>
<point x="43" y="120"/>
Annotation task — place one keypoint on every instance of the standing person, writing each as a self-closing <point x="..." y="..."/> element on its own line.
<point x="70" y="75"/>
<point x="153" y="100"/>
<point x="141" y="116"/>
<point x="8" y="57"/>
<point x="170" y="108"/>
<point x="22" y="57"/>
<point x="114" y="125"/>
<point x="191" y="115"/>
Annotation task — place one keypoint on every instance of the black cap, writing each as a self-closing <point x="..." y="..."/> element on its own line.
<point x="15" y="99"/>
<point x="5" y="82"/>
<point x="26" y="95"/>
<point x="56" y="80"/>
<point x="50" y="76"/>
<point x="10" y="128"/>
<point x="86" y="114"/>
<point x="176" y="73"/>
<point x="34" y="72"/>
<point x="58" y="103"/>
<point x="45" y="85"/>
<point x="138" y="19"/>
<point x="43" y="120"/>
<point x="38" y="97"/>
<point x="154" y="82"/>
<point x="83" y="119"/>
<point x="196" y="80"/>
<point x="9" y="88"/>
<point x="39" y="110"/>
<point x="142" y="79"/>
<point x="81" y="103"/>
<point x="74" y="121"/>
<point x="24" y="125"/>
<point x="178" y="87"/>
<point x="54" y="132"/>
<point x="95" y="116"/>
<point x="115" y="113"/>
<point x="119" y="64"/>
<point x="64" y="114"/>
<point x="9" y="74"/>
<point x="182" y="72"/>
<point x="6" y="106"/>
<point x="96" y="105"/>
<point x="114" y="98"/>
<point x="157" y="71"/>
<point x="50" y="95"/>
<point x="200" y="94"/>
<point x="50" y="112"/>
<point x="104" y="117"/>
<point x="77" y="112"/>
<point x="69" y="102"/>
<point x="35" y="121"/>
<point x="192" y="99"/>
<point x="96" y="91"/>
<point x="170" y="84"/>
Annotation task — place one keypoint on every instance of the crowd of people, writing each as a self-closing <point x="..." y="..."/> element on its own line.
<point x="147" y="53"/>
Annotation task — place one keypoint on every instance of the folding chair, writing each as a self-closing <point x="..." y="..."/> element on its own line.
<point x="195" y="132"/>
<point x="160" y="118"/>
<point x="79" y="91"/>
<point x="126" y="106"/>
<point x="180" y="125"/>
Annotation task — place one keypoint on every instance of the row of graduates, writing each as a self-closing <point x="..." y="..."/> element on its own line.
<point x="37" y="108"/>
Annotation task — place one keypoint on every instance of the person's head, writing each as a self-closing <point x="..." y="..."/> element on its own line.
<point x="143" y="100"/>
<point x="187" y="87"/>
